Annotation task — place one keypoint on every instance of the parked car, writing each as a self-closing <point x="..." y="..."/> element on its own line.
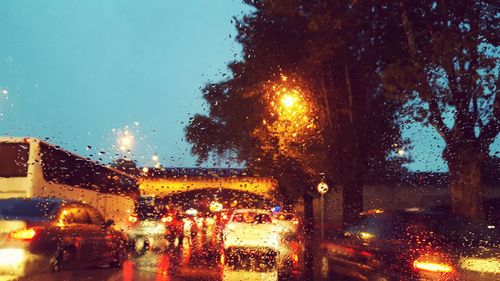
<point x="412" y="245"/>
<point x="491" y="209"/>
<point x="39" y="235"/>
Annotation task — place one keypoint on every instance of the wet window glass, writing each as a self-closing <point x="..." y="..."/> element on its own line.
<point x="290" y="140"/>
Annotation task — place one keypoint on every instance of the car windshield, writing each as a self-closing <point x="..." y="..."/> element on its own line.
<point x="184" y="128"/>
<point x="147" y="210"/>
<point x="285" y="217"/>
<point x="34" y="210"/>
<point x="252" y="217"/>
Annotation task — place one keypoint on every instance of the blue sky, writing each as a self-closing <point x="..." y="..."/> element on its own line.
<point x="75" y="70"/>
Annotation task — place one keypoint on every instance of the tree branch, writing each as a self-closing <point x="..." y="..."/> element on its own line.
<point x="436" y="120"/>
<point x="435" y="117"/>
<point x="489" y="133"/>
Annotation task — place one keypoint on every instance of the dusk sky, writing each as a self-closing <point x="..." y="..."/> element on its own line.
<point x="73" y="71"/>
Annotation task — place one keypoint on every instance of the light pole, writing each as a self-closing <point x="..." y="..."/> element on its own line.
<point x="322" y="189"/>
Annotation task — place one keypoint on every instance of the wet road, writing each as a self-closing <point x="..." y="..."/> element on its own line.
<point x="150" y="266"/>
<point x="196" y="259"/>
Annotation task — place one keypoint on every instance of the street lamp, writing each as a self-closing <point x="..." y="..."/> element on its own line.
<point x="288" y="100"/>
<point x="125" y="141"/>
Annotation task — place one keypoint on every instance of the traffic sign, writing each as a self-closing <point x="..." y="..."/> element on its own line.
<point x="322" y="187"/>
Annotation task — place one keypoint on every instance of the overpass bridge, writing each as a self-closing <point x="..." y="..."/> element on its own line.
<point x="167" y="182"/>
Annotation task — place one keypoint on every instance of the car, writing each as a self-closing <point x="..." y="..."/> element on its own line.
<point x="491" y="211"/>
<point x="412" y="244"/>
<point x="155" y="226"/>
<point x="291" y="254"/>
<point x="287" y="222"/>
<point x="251" y="228"/>
<point x="249" y="264"/>
<point x="51" y="234"/>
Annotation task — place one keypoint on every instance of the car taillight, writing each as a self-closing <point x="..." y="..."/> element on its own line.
<point x="167" y="219"/>
<point x="433" y="264"/>
<point x="222" y="259"/>
<point x="23" y="234"/>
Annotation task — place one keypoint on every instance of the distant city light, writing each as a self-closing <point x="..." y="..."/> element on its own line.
<point x="145" y="169"/>
<point x="155" y="158"/>
<point x="401" y="152"/>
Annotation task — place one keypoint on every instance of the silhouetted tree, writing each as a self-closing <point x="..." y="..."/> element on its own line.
<point x="448" y="76"/>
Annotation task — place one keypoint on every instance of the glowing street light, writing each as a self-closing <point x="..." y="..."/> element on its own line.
<point x="155" y="158"/>
<point x="125" y="141"/>
<point x="288" y="100"/>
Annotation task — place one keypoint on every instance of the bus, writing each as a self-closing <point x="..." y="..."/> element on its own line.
<point x="34" y="168"/>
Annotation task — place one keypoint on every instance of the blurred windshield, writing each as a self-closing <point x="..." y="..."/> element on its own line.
<point x="191" y="127"/>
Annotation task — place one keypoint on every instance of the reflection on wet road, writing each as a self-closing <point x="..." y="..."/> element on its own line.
<point x="195" y="260"/>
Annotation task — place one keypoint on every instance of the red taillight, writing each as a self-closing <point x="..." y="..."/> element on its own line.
<point x="23" y="234"/>
<point x="222" y="259"/>
<point x="432" y="263"/>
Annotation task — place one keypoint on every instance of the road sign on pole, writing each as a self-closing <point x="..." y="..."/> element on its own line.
<point x="322" y="189"/>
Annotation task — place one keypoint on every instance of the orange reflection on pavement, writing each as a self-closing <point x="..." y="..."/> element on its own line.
<point x="163" y="268"/>
<point x="128" y="271"/>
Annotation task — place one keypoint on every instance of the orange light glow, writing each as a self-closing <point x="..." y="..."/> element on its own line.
<point x="288" y="100"/>
<point x="23" y="234"/>
<point x="132" y="219"/>
<point x="167" y="219"/>
<point x="366" y="235"/>
<point x="432" y="263"/>
<point x="222" y="259"/>
<point x="295" y="258"/>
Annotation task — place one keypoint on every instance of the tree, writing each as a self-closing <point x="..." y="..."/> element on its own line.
<point x="285" y="40"/>
<point x="447" y="74"/>
<point x="350" y="42"/>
